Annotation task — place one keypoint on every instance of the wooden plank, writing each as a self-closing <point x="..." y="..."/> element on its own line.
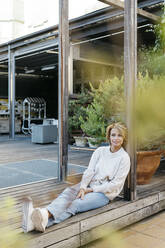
<point x="30" y="189"/>
<point x="101" y="231"/>
<point x="119" y="4"/>
<point x="90" y="215"/>
<point x="73" y="242"/>
<point x="157" y="184"/>
<point x="74" y="179"/>
<point x="100" y="219"/>
<point x="34" y="188"/>
<point x="116" y="215"/>
<point x="103" y="215"/>
<point x="40" y="198"/>
<point x="41" y="184"/>
<point x="63" y="87"/>
<point x="16" y="213"/>
<point x="28" y="185"/>
<point x="98" y="211"/>
<point x="162" y="205"/>
<point x="148" y="15"/>
<point x="52" y="237"/>
<point x="162" y="196"/>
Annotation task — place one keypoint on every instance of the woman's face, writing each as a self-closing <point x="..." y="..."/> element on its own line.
<point x="116" y="139"/>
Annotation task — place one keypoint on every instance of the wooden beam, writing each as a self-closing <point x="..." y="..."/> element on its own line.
<point x="148" y="15"/>
<point x="100" y="63"/>
<point x="78" y="56"/>
<point x="119" y="4"/>
<point x="63" y="58"/>
<point x="115" y="3"/>
<point x="130" y="77"/>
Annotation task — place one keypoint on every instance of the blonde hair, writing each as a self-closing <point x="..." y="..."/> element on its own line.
<point x="121" y="128"/>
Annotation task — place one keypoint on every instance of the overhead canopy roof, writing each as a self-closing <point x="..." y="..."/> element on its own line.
<point x="33" y="51"/>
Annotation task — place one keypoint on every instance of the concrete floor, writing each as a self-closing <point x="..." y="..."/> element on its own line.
<point x="148" y="233"/>
<point x="22" y="149"/>
<point x="22" y="161"/>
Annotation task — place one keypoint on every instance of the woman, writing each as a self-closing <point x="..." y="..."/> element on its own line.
<point x="102" y="181"/>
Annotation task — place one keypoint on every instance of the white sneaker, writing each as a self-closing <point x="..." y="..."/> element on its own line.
<point x="27" y="223"/>
<point x="40" y="219"/>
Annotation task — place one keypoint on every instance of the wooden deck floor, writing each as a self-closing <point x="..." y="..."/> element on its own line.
<point x="156" y="184"/>
<point x="85" y="227"/>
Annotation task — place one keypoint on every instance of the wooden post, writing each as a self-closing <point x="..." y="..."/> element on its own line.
<point x="130" y="74"/>
<point x="70" y="71"/>
<point x="11" y="93"/>
<point x="63" y="87"/>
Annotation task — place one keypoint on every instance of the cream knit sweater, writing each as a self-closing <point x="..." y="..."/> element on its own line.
<point x="107" y="171"/>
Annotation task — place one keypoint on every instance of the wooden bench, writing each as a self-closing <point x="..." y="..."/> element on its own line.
<point x="82" y="228"/>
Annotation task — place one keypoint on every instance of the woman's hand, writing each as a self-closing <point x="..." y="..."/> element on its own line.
<point x="82" y="193"/>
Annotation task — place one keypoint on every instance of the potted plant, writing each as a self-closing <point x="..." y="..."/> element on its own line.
<point x="148" y="160"/>
<point x="77" y="108"/>
<point x="93" y="125"/>
<point x="110" y="95"/>
<point x="106" y="107"/>
<point x="80" y="141"/>
<point x="150" y="116"/>
<point x="150" y="123"/>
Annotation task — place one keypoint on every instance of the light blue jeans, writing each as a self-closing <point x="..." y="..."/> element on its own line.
<point x="66" y="204"/>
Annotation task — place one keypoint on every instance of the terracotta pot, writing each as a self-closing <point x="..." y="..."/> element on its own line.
<point x="147" y="164"/>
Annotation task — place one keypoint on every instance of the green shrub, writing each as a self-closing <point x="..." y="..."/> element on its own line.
<point x="150" y="118"/>
<point x="106" y="107"/>
<point x="93" y="124"/>
<point x="152" y="58"/>
<point x="110" y="95"/>
<point x="77" y="108"/>
<point x="9" y="237"/>
<point x="151" y="61"/>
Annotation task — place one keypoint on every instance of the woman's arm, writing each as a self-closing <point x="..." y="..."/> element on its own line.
<point x="90" y="171"/>
<point x="82" y="193"/>
<point x="115" y="185"/>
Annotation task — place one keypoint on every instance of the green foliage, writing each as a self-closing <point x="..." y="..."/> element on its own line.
<point x="106" y="107"/>
<point x="77" y="108"/>
<point x="152" y="59"/>
<point x="110" y="95"/>
<point x="9" y="238"/>
<point x="94" y="124"/>
<point x="150" y="118"/>
<point x="159" y="30"/>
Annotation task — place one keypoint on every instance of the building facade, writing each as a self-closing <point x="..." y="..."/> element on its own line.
<point x="11" y="20"/>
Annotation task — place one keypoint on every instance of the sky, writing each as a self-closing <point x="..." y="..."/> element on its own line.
<point x="21" y="17"/>
<point x="37" y="11"/>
